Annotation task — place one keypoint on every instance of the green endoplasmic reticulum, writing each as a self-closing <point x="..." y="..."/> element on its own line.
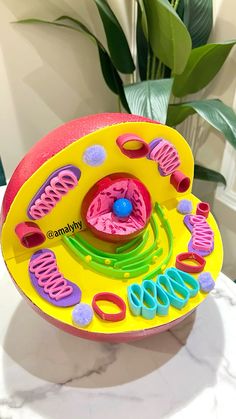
<point x="129" y="260"/>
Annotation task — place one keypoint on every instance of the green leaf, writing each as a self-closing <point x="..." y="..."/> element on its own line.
<point x="116" y="39"/>
<point x="203" y="173"/>
<point x="110" y="74"/>
<point x="111" y="77"/>
<point x="78" y="26"/>
<point x="203" y="64"/>
<point x="149" y="98"/>
<point x="180" y="9"/>
<point x="215" y="112"/>
<point x="168" y="36"/>
<point x="144" y="18"/>
<point x="198" y="17"/>
<point x="2" y="175"/>
<point x="142" y="46"/>
<point x="178" y="113"/>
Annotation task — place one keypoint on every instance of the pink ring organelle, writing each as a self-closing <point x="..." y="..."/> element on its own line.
<point x="140" y="152"/>
<point x="56" y="186"/>
<point x="165" y="154"/>
<point x="100" y="218"/>
<point x="49" y="282"/>
<point x="203" y="208"/>
<point x="29" y="234"/>
<point x="180" y="181"/>
<point x="203" y="236"/>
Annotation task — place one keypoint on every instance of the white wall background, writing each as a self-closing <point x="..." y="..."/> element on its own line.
<point x="211" y="147"/>
<point x="223" y="86"/>
<point x="50" y="75"/>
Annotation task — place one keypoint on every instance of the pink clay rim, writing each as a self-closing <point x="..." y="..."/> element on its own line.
<point x="203" y="208"/>
<point x="97" y="336"/>
<point x="133" y="154"/>
<point x="29" y="234"/>
<point x="180" y="181"/>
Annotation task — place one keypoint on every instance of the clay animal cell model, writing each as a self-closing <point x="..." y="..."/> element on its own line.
<point x="94" y="221"/>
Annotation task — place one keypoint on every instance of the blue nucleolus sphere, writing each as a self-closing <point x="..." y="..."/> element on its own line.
<point x="122" y="207"/>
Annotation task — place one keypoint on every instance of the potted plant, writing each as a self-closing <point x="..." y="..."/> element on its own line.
<point x="174" y="60"/>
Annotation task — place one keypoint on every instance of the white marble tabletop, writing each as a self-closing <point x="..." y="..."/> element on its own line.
<point x="187" y="372"/>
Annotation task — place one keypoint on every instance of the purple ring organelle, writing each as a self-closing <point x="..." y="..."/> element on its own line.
<point x="58" y="184"/>
<point x="202" y="241"/>
<point x="165" y="155"/>
<point x="49" y="282"/>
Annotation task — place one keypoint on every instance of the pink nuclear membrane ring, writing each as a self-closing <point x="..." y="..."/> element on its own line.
<point x="98" y="202"/>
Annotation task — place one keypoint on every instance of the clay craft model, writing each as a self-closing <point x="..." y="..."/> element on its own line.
<point x="93" y="229"/>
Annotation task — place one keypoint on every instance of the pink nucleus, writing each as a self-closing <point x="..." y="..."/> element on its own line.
<point x="98" y="208"/>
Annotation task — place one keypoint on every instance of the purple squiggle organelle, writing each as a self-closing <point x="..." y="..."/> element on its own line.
<point x="52" y="199"/>
<point x="190" y="245"/>
<point x="54" y="287"/>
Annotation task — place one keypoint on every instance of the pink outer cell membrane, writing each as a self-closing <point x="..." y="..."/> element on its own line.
<point x="110" y="337"/>
<point x="103" y="337"/>
<point x="101" y="217"/>
<point x="55" y="141"/>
